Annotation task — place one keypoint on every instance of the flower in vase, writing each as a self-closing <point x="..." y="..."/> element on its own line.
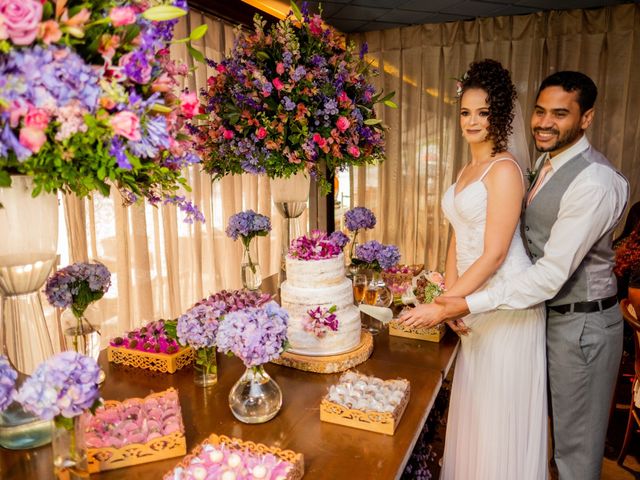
<point x="254" y="335"/>
<point x="247" y="225"/>
<point x="198" y="326"/>
<point x="62" y="387"/>
<point x="376" y="256"/>
<point x="77" y="286"/>
<point x="339" y="238"/>
<point x="8" y="378"/>
<point x="359" y="218"/>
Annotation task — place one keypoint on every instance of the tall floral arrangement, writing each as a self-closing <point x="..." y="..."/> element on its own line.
<point x="293" y="98"/>
<point x="356" y="219"/>
<point x="89" y="98"/>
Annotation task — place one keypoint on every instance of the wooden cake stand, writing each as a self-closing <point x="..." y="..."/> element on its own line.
<point x="332" y="363"/>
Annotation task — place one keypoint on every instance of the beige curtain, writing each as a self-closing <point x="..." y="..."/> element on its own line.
<point x="424" y="147"/>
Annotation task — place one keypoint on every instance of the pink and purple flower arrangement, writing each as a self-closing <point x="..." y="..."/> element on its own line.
<point x="320" y="321"/>
<point x="376" y="256"/>
<point x="293" y="98"/>
<point x="152" y="337"/>
<point x="8" y="378"/>
<point x="89" y="98"/>
<point x="254" y="335"/>
<point x="317" y="246"/>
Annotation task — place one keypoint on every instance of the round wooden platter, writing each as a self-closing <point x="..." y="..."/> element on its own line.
<point x="332" y="363"/>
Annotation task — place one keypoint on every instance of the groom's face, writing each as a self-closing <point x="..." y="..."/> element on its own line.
<point x="557" y="122"/>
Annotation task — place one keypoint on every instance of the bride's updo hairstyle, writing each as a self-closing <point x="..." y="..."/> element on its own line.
<point x="490" y="76"/>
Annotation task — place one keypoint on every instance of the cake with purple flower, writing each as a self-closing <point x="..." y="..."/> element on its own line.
<point x="319" y="298"/>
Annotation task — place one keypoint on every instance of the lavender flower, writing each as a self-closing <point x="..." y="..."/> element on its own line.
<point x="359" y="218"/>
<point x="255" y="335"/>
<point x="199" y="325"/>
<point x="7" y="383"/>
<point x="77" y="286"/>
<point x="247" y="225"/>
<point x="65" y="385"/>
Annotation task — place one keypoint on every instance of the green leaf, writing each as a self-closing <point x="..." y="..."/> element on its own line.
<point x="390" y="104"/>
<point x="196" y="54"/>
<point x="262" y="55"/>
<point x="5" y="179"/>
<point x="162" y="13"/>
<point x="198" y="32"/>
<point x="372" y="121"/>
<point x="156" y="107"/>
<point x="296" y="11"/>
<point x="47" y="10"/>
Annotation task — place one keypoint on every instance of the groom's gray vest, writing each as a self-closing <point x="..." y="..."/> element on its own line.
<point x="596" y="268"/>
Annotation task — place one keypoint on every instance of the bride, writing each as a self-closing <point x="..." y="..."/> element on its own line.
<point x="497" y="424"/>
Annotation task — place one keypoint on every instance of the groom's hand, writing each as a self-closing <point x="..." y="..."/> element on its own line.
<point x="423" y="316"/>
<point x="453" y="308"/>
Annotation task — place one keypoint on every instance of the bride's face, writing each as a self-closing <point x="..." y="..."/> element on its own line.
<point x="474" y="115"/>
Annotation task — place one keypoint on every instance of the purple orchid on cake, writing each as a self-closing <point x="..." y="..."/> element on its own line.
<point x="321" y="320"/>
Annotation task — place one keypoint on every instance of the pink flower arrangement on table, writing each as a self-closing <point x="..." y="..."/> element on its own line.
<point x="152" y="337"/>
<point x="318" y="246"/>
<point x="89" y="98"/>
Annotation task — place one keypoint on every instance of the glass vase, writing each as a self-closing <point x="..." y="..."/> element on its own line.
<point x="82" y="332"/>
<point x="251" y="274"/>
<point x="69" y="450"/>
<point x="20" y="429"/>
<point x="256" y="397"/>
<point x="205" y="368"/>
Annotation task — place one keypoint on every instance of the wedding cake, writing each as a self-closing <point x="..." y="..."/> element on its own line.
<point x="319" y="298"/>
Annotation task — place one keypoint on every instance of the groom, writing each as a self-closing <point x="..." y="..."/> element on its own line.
<point x="571" y="210"/>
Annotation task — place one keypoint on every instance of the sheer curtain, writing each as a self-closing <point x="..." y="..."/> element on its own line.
<point x="424" y="147"/>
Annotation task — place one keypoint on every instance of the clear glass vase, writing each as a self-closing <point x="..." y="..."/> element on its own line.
<point x="256" y="397"/>
<point x="205" y="369"/>
<point x="69" y="449"/>
<point x="20" y="429"/>
<point x="251" y="274"/>
<point x="82" y="333"/>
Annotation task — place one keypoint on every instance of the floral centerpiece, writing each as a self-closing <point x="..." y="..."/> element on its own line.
<point x="256" y="336"/>
<point x="356" y="219"/>
<point x="247" y="225"/>
<point x="293" y="98"/>
<point x="375" y="256"/>
<point x="318" y="245"/>
<point x="89" y="98"/>
<point x="75" y="287"/>
<point x="62" y="389"/>
<point x="8" y="377"/>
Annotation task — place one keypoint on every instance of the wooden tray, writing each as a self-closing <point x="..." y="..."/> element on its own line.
<point x="332" y="363"/>
<point x="158" y="362"/>
<point x="433" y="334"/>
<point x="296" y="459"/>
<point x="379" y="422"/>
<point x="110" y="458"/>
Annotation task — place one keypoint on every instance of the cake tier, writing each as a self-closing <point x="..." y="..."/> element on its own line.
<point x="294" y="298"/>
<point x="316" y="273"/>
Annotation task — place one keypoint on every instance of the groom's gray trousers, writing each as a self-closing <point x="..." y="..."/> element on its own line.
<point x="583" y="354"/>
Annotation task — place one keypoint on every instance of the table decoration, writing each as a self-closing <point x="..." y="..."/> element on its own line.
<point x="399" y="278"/>
<point x="256" y="336"/>
<point x="150" y="347"/>
<point x="223" y="457"/>
<point x="366" y="402"/>
<point x="356" y="219"/>
<point x="135" y="431"/>
<point x="247" y="225"/>
<point x="63" y="389"/>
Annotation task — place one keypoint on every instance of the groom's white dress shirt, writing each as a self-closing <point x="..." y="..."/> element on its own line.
<point x="591" y="206"/>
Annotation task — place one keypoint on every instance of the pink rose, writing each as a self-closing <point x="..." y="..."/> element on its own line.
<point x="228" y="134"/>
<point x="342" y="123"/>
<point x="279" y="68"/>
<point x="126" y="124"/>
<point x="163" y="83"/>
<point x="317" y="138"/>
<point x="17" y="110"/>
<point x="261" y="133"/>
<point x="189" y="104"/>
<point x="50" y="32"/>
<point x="3" y="29"/>
<point x="122" y="16"/>
<point x="277" y="83"/>
<point x="21" y="19"/>
<point x="435" y="277"/>
<point x="32" y="138"/>
<point x="342" y="97"/>
<point x="36" y="118"/>
<point x="221" y="68"/>
<point x="353" y="151"/>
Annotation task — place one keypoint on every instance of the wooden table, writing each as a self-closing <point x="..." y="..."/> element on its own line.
<point x="330" y="451"/>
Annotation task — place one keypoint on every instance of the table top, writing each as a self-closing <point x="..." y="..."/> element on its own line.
<point x="330" y="451"/>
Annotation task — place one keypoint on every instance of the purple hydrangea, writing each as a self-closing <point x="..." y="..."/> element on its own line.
<point x="8" y="378"/>
<point x="254" y="335"/>
<point x="368" y="252"/>
<point x="358" y="218"/>
<point x="65" y="385"/>
<point x="339" y="238"/>
<point x="199" y="325"/>
<point x="377" y="255"/>
<point x="248" y="224"/>
<point x="78" y="285"/>
<point x="388" y="257"/>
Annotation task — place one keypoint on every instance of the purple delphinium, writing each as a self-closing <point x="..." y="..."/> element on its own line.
<point x="359" y="218"/>
<point x="198" y="326"/>
<point x="64" y="386"/>
<point x="254" y="335"/>
<point x="247" y="225"/>
<point x="8" y="378"/>
<point x="78" y="285"/>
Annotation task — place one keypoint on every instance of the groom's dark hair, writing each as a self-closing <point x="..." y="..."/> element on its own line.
<point x="573" y="82"/>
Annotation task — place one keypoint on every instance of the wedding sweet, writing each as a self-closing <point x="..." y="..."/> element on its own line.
<point x="319" y="298"/>
<point x="362" y="392"/>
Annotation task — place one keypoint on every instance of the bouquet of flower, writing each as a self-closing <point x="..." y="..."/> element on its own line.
<point x="89" y="98"/>
<point x="376" y="256"/>
<point x="356" y="219"/>
<point x="318" y="245"/>
<point x="247" y="225"/>
<point x="254" y="335"/>
<point x="320" y="321"/>
<point x="291" y="98"/>
<point x="8" y="378"/>
<point x="428" y="286"/>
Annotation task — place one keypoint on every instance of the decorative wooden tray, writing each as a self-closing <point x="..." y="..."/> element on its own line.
<point x="158" y="362"/>
<point x="379" y="422"/>
<point x="296" y="459"/>
<point x="433" y="334"/>
<point x="110" y="458"/>
<point x="332" y="363"/>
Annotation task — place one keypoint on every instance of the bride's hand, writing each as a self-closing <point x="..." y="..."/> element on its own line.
<point x="423" y="316"/>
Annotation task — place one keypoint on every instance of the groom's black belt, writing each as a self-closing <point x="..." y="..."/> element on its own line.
<point x="586" y="307"/>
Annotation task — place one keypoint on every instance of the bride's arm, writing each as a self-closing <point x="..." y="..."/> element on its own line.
<point x="450" y="265"/>
<point x="504" y="201"/>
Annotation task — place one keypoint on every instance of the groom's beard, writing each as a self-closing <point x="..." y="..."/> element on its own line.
<point x="569" y="137"/>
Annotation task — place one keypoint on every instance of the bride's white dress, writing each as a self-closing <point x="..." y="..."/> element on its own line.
<point x="497" y="424"/>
